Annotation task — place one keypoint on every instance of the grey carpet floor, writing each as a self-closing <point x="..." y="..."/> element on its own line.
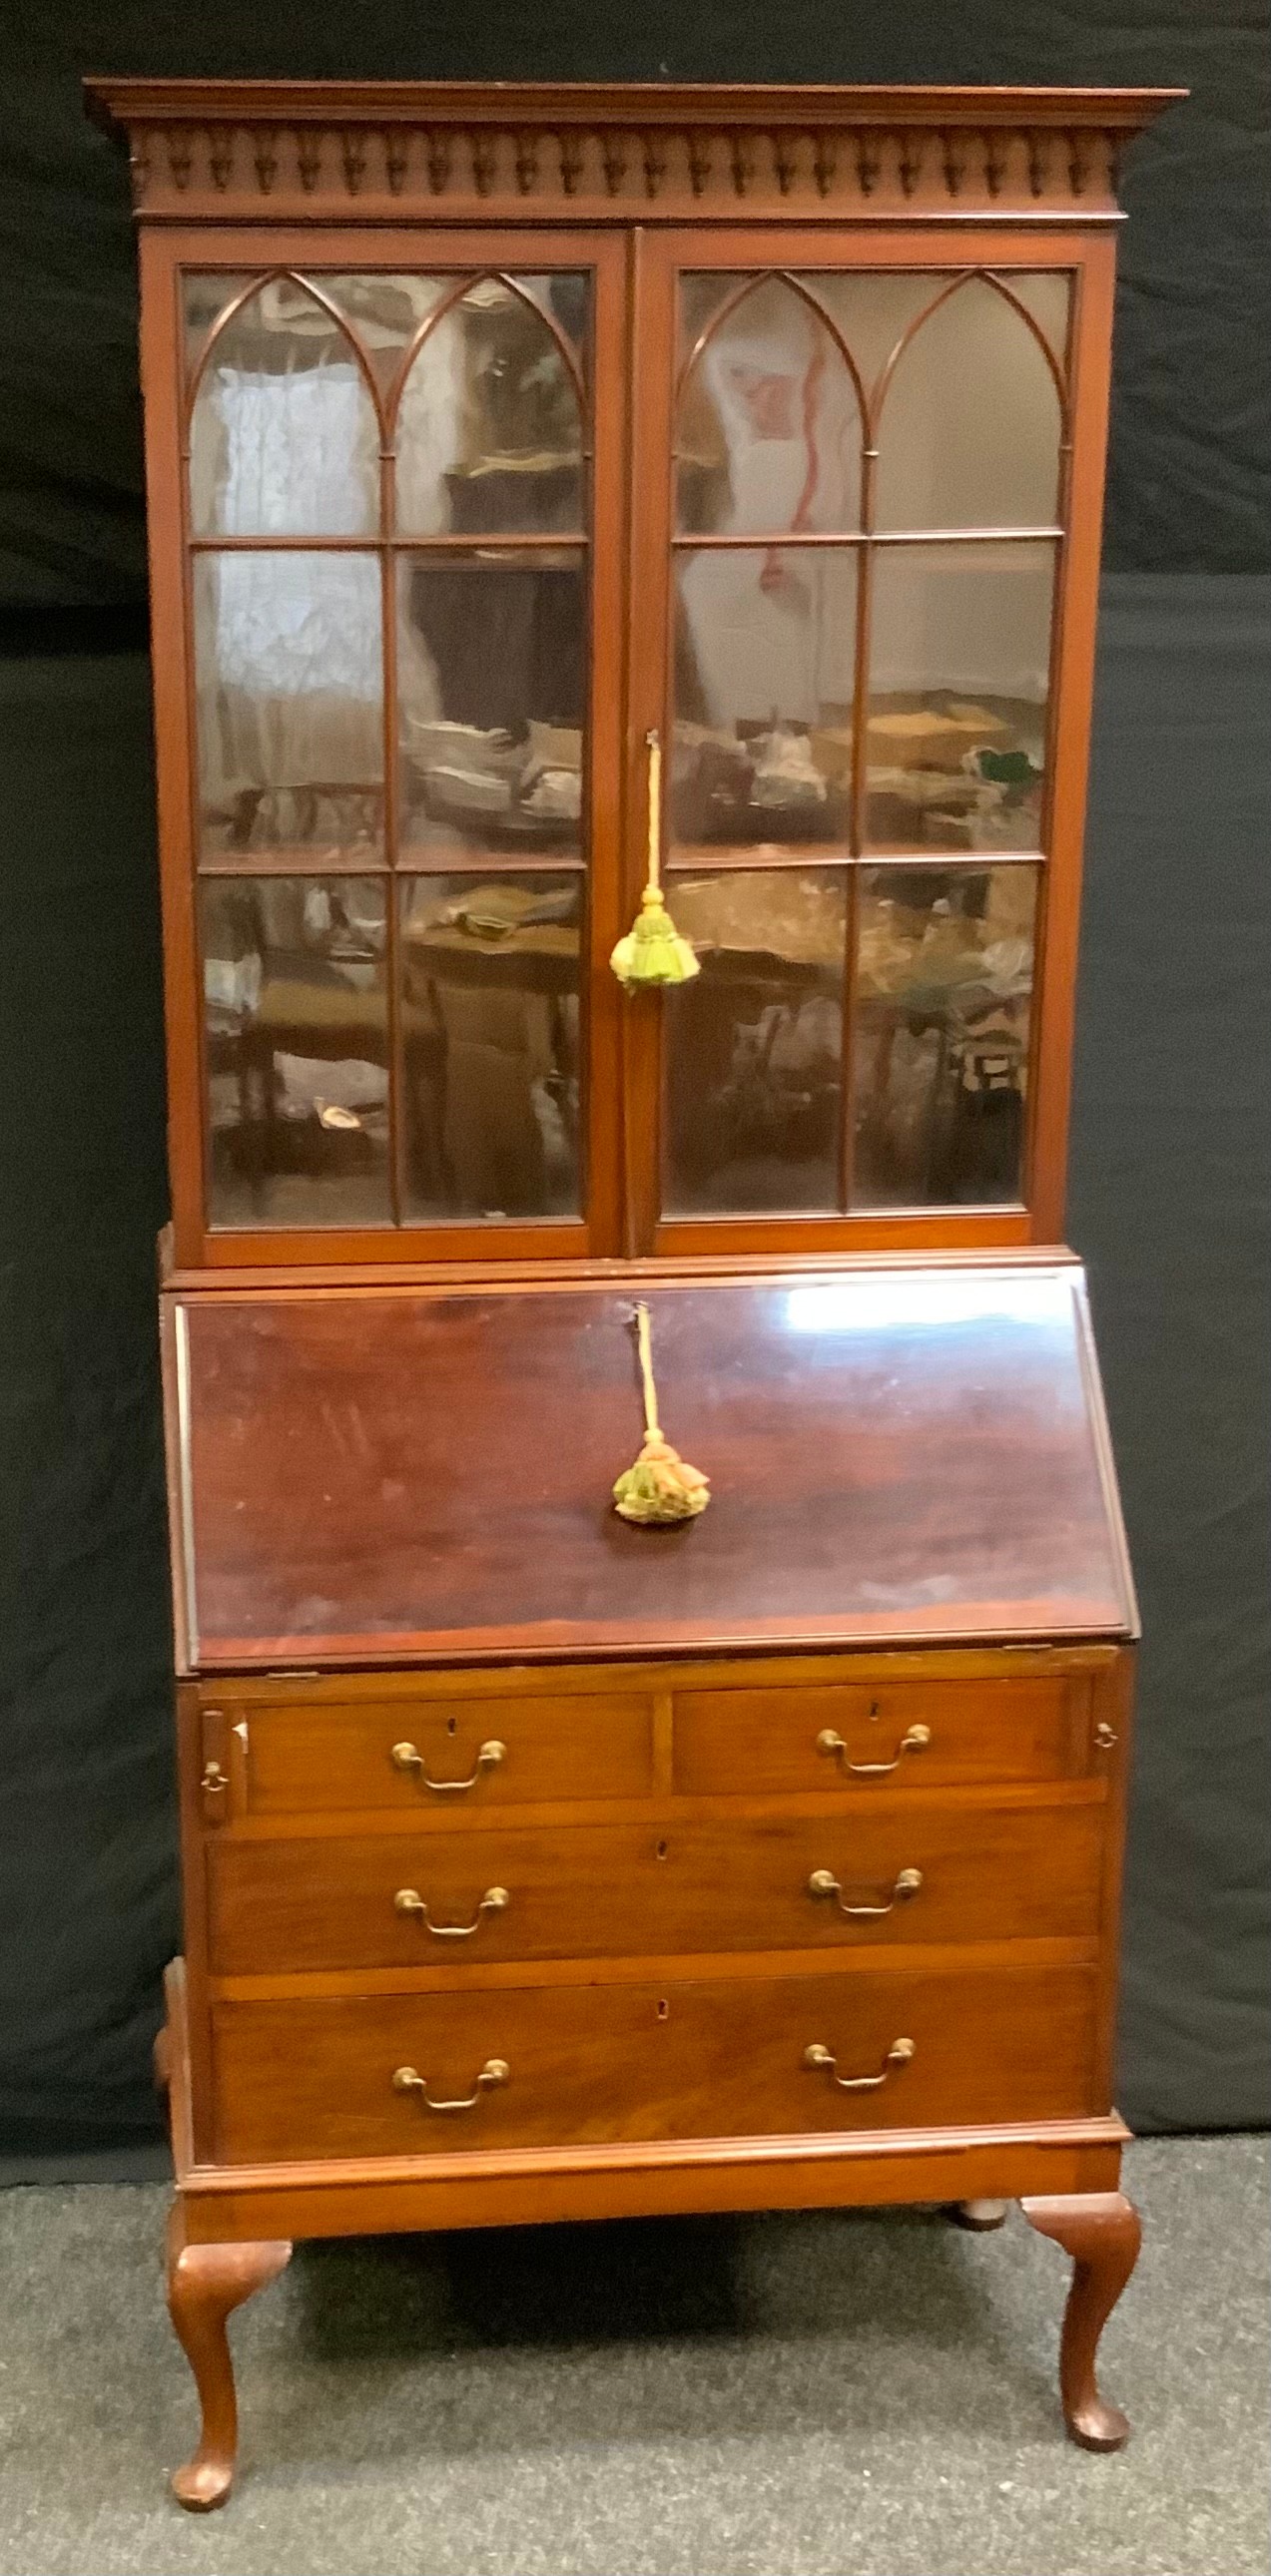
<point x="825" y="2395"/>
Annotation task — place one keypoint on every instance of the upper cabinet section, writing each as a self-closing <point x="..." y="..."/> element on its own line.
<point x="491" y="432"/>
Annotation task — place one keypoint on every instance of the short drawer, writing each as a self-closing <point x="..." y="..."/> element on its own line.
<point x="857" y="1739"/>
<point x="913" y="1871"/>
<point x="435" y="1755"/>
<point x="538" y="2067"/>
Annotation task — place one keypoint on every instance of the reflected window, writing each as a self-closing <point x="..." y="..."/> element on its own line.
<point x="490" y="1045"/>
<point x="284" y="439"/>
<point x="755" y="1043"/>
<point x="289" y="695"/>
<point x="943" y="993"/>
<point x="296" y="1048"/>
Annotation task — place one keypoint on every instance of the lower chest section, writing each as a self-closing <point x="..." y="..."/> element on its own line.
<point x="780" y="1898"/>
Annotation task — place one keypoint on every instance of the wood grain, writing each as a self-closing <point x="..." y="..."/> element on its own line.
<point x="597" y="1892"/>
<point x="766" y="1740"/>
<point x="863" y="1484"/>
<point x="630" y="2062"/>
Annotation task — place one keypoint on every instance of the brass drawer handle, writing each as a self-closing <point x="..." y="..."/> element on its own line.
<point x="495" y="2071"/>
<point x="912" y="1741"/>
<point x="407" y="1757"/>
<point x="824" y="1883"/>
<point x="898" y="2054"/>
<point x="409" y="1901"/>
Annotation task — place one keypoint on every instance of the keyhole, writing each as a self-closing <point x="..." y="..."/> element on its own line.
<point x="664" y="2010"/>
<point x="660" y="1851"/>
<point x="452" y="1726"/>
<point x="873" y="1708"/>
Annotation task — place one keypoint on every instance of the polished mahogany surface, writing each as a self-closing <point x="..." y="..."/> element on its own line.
<point x="427" y="1474"/>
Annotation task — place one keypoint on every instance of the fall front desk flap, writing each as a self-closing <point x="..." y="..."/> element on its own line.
<point x="427" y="1474"/>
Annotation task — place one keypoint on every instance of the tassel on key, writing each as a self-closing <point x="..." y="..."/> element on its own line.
<point x="661" y="1488"/>
<point x="653" y="951"/>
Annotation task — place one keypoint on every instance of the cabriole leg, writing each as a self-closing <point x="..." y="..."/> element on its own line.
<point x="205" y="2284"/>
<point x="1102" y="2232"/>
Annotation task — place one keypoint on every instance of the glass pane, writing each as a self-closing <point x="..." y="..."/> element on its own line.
<point x="204" y="298"/>
<point x="296" y="1050"/>
<point x="284" y="441"/>
<point x="969" y="430"/>
<point x="940" y="1035"/>
<point x="1046" y="293"/>
<point x="769" y="432"/>
<point x="384" y="312"/>
<point x="959" y="671"/>
<point x="765" y="657"/>
<point x="289" y="682"/>
<point x="491" y="680"/>
<point x="874" y="307"/>
<point x="754" y="1045"/>
<point x="488" y="434"/>
<point x="490" y="1044"/>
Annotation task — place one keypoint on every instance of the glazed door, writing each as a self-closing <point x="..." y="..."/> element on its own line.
<point x="387" y="509"/>
<point x="442" y="525"/>
<point x="864" y="631"/>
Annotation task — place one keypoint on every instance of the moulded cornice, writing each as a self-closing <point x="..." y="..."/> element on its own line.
<point x="378" y="150"/>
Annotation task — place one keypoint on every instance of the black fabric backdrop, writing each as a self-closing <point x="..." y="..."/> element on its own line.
<point x="1169" y="1178"/>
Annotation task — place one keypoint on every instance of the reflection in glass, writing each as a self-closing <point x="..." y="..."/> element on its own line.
<point x="205" y="295"/>
<point x="940" y="1035"/>
<point x="955" y="745"/>
<point x="289" y="688"/>
<point x="283" y="437"/>
<point x="491" y="685"/>
<point x="490" y="1043"/>
<point x="489" y="438"/>
<point x="768" y="435"/>
<point x="873" y="308"/>
<point x="384" y="310"/>
<point x="754" y="1044"/>
<point x="296" y="1050"/>
<point x="969" y="430"/>
<point x="765" y="652"/>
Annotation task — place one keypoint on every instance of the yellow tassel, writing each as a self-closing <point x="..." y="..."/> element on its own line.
<point x="653" y="951"/>
<point x="661" y="1488"/>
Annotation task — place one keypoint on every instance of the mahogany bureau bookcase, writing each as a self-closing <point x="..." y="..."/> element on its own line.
<point x="554" y="491"/>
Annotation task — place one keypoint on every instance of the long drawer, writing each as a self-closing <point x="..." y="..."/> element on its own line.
<point x="403" y="2075"/>
<point x="853" y="1738"/>
<point x="917" y="1870"/>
